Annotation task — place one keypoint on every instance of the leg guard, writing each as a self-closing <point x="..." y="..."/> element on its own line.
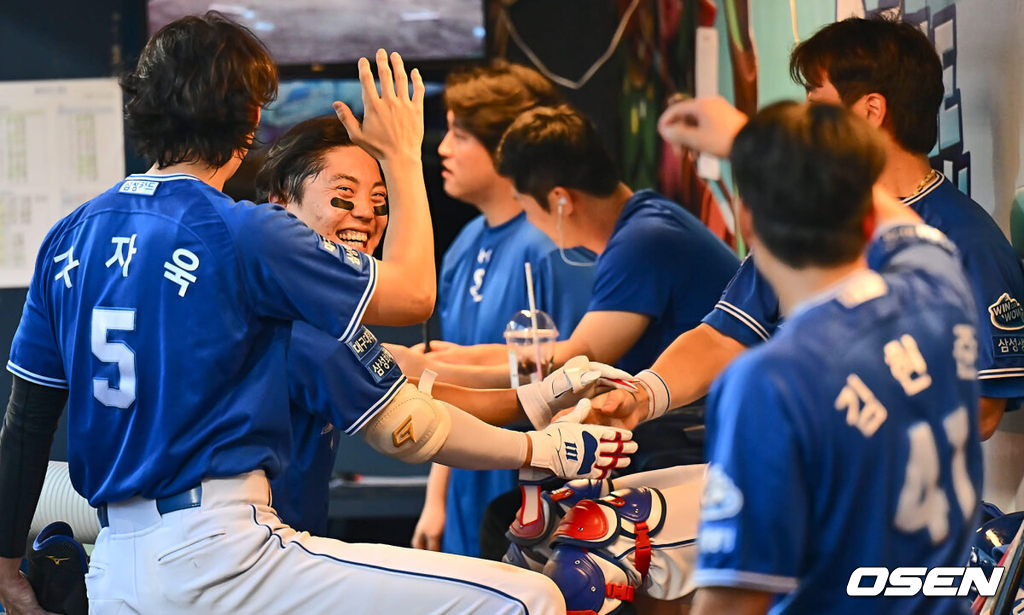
<point x="539" y="514"/>
<point x="624" y="542"/>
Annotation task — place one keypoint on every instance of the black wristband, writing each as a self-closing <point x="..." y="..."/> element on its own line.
<point x="25" y="440"/>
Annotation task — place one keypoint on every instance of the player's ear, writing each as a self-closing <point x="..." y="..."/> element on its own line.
<point x="560" y="201"/>
<point x="746" y="224"/>
<point x="872" y="107"/>
<point x="276" y="200"/>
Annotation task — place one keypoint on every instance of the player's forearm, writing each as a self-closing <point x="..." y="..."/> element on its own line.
<point x="715" y="600"/>
<point x="692" y="362"/>
<point x="409" y="243"/>
<point x="478" y="354"/>
<point x="493" y="406"/>
<point x="475" y="445"/>
<point x="25" y="441"/>
<point x="437" y="484"/>
<point x="470" y="376"/>
<point x="990" y="413"/>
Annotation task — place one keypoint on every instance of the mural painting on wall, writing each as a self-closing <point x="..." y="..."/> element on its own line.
<point x="678" y="19"/>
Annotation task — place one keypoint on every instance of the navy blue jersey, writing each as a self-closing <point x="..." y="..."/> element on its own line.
<point x="748" y="310"/>
<point x="850" y="438"/>
<point x="662" y="262"/>
<point x="333" y="386"/>
<point x="165" y="308"/>
<point x="482" y="286"/>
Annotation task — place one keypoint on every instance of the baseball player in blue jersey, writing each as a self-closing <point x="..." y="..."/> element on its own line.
<point x="161" y="311"/>
<point x="857" y="422"/>
<point x="852" y="62"/>
<point x="482" y="283"/>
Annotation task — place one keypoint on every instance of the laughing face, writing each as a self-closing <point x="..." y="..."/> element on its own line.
<point x="350" y="175"/>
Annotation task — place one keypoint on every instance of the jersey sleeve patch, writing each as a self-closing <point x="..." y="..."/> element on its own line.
<point x="1006" y="313"/>
<point x="373" y="356"/>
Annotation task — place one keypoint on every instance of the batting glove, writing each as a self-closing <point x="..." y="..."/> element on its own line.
<point x="566" y="386"/>
<point x="571" y="450"/>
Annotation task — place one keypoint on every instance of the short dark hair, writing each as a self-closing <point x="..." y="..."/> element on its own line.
<point x="556" y="146"/>
<point x="806" y="172"/>
<point x="486" y="99"/>
<point x="892" y="58"/>
<point x="298" y="155"/>
<point x="195" y="92"/>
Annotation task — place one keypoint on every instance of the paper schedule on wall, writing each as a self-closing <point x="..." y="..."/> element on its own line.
<point x="61" y="143"/>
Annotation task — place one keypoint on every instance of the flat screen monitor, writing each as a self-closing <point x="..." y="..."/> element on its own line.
<point x="319" y="32"/>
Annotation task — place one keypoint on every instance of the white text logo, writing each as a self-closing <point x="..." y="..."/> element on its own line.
<point x="914" y="580"/>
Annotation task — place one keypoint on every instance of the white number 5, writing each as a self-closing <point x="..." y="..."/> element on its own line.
<point x="103" y="321"/>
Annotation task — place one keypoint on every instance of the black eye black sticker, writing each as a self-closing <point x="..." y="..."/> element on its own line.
<point x="341" y="203"/>
<point x="380" y="210"/>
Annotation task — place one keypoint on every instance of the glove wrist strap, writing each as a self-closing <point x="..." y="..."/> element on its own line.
<point x="658" y="396"/>
<point x="531" y="400"/>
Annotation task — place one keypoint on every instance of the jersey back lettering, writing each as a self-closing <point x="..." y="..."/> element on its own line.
<point x="165" y="307"/>
<point x="850" y="438"/>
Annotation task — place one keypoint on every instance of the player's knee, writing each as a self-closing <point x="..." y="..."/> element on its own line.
<point x="412" y="427"/>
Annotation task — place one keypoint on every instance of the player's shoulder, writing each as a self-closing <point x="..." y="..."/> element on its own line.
<point x="942" y="205"/>
<point x="467" y="236"/>
<point x="654" y="223"/>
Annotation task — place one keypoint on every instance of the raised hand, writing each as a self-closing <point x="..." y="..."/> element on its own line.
<point x="706" y="124"/>
<point x="571" y="450"/>
<point x="564" y="387"/>
<point x="393" y="120"/>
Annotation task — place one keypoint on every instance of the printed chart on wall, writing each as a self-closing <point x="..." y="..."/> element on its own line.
<point x="61" y="143"/>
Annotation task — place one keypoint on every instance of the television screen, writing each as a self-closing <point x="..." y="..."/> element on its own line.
<point x="301" y="99"/>
<point x="301" y="32"/>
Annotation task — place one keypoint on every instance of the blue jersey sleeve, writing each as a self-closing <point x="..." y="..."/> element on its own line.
<point x="293" y="273"/>
<point x="630" y="277"/>
<point x="748" y="310"/>
<point x="563" y="290"/>
<point x="342" y="383"/>
<point x="35" y="355"/>
<point x="756" y="503"/>
<point x="995" y="274"/>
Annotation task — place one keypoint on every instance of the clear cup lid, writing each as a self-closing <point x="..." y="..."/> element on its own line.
<point x="521" y="326"/>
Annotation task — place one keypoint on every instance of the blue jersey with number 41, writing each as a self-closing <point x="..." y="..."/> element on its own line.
<point x="165" y="308"/>
<point x="850" y="438"/>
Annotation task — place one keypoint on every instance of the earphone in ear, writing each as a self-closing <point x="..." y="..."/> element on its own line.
<point x="561" y="204"/>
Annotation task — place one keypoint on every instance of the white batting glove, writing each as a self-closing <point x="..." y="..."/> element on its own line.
<point x="570" y="450"/>
<point x="566" y="386"/>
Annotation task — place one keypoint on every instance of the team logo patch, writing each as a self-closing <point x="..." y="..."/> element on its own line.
<point x="722" y="499"/>
<point x="1006" y="313"/>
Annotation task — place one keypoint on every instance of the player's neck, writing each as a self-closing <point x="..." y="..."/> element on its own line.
<point x="498" y="205"/>
<point x="795" y="286"/>
<point x="214" y="176"/>
<point x="599" y="216"/>
<point x="904" y="171"/>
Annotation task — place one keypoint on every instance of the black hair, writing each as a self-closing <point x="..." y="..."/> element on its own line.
<point x="806" y="172"/>
<point x="196" y="91"/>
<point x="298" y="155"/>
<point x="556" y="146"/>
<point x="884" y="56"/>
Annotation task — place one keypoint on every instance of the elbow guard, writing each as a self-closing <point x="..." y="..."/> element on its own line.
<point x="412" y="427"/>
